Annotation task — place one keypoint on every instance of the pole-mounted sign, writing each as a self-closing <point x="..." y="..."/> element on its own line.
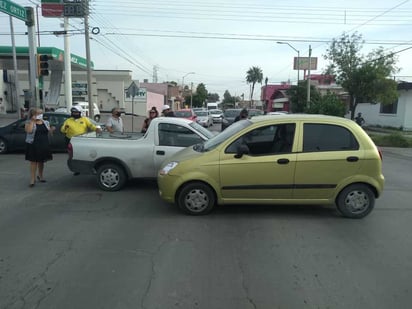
<point x="63" y="8"/>
<point x="13" y="9"/>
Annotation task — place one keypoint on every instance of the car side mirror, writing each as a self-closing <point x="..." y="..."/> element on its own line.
<point x="241" y="150"/>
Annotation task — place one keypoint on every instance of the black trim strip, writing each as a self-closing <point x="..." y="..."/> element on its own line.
<point x="291" y="186"/>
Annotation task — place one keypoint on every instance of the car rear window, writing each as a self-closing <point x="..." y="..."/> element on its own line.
<point x="326" y="137"/>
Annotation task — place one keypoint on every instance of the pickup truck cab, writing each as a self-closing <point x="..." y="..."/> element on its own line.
<point x="114" y="157"/>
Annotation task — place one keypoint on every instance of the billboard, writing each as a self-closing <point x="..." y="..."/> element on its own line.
<point x="304" y="63"/>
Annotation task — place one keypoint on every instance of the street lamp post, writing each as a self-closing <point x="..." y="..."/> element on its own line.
<point x="183" y="82"/>
<point x="298" y="62"/>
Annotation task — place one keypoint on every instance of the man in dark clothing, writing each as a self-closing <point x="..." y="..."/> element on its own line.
<point x="243" y="115"/>
<point x="167" y="112"/>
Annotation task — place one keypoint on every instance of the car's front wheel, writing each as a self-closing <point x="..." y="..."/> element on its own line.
<point x="196" y="198"/>
<point x="111" y="177"/>
<point x="97" y="118"/>
<point x="355" y="201"/>
<point x="3" y="146"/>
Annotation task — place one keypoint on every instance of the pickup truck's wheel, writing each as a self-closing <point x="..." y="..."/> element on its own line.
<point x="196" y="198"/>
<point x="3" y="146"/>
<point x="111" y="177"/>
<point x="355" y="201"/>
<point x="97" y="118"/>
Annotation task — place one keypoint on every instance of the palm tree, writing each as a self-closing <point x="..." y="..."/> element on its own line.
<point x="254" y="75"/>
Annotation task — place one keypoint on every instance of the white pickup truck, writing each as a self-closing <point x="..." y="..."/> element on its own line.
<point x="116" y="157"/>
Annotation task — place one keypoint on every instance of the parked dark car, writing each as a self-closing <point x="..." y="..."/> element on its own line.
<point x="12" y="136"/>
<point x="229" y="116"/>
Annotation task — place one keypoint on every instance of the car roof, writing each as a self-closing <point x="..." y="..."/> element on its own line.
<point x="171" y="120"/>
<point x="301" y="117"/>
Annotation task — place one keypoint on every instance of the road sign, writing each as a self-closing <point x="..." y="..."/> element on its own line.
<point x="13" y="9"/>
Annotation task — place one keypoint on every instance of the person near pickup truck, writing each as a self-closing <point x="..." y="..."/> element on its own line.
<point x="167" y="112"/>
<point x="37" y="144"/>
<point x="77" y="124"/>
<point x="115" y="122"/>
<point x="153" y="113"/>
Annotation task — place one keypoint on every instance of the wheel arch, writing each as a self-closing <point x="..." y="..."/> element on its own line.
<point x="372" y="187"/>
<point x="182" y="185"/>
<point x="110" y="160"/>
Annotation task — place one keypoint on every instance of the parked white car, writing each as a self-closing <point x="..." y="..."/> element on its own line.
<point x="204" y="118"/>
<point x="216" y="114"/>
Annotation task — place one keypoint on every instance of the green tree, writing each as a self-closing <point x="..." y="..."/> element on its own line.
<point x="200" y="96"/>
<point x="366" y="79"/>
<point x="328" y="104"/>
<point x="212" y="97"/>
<point x="254" y="75"/>
<point x="298" y="97"/>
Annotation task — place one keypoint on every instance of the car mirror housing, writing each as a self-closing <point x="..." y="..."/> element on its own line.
<point x="241" y="150"/>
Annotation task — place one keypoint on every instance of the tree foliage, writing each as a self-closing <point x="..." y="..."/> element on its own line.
<point x="328" y="104"/>
<point x="254" y="75"/>
<point x="366" y="79"/>
<point x="298" y="97"/>
<point x="199" y="97"/>
<point x="212" y="97"/>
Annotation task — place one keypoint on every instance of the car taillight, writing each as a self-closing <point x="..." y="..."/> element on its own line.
<point x="70" y="150"/>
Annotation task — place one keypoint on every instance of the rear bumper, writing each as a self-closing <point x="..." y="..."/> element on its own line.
<point x="80" y="166"/>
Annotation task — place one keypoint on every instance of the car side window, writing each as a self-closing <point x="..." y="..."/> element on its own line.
<point x="266" y="140"/>
<point x="327" y="137"/>
<point x="177" y="136"/>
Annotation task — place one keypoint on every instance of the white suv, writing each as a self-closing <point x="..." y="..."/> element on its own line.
<point x="85" y="107"/>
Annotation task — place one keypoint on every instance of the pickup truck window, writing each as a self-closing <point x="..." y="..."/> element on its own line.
<point x="177" y="136"/>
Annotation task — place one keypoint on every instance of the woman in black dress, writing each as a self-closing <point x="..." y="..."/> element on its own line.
<point x="37" y="144"/>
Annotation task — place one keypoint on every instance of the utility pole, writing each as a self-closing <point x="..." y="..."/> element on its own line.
<point x="308" y="77"/>
<point x="89" y="69"/>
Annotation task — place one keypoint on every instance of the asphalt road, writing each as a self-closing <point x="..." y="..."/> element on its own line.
<point x="66" y="244"/>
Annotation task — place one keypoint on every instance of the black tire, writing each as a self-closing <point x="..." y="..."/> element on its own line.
<point x="3" y="146"/>
<point x="355" y="201"/>
<point x="111" y="177"/>
<point x="196" y="198"/>
<point x="97" y="118"/>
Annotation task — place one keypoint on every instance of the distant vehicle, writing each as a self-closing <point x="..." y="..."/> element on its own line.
<point x="277" y="113"/>
<point x="204" y="118"/>
<point x="217" y="115"/>
<point x="186" y="113"/>
<point x="211" y="106"/>
<point x="85" y="107"/>
<point x="255" y="112"/>
<point x="288" y="160"/>
<point x="229" y="116"/>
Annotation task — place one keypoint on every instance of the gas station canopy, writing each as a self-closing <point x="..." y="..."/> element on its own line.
<point x="56" y="62"/>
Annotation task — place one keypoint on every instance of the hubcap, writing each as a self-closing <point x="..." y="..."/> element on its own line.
<point x="2" y="146"/>
<point x="196" y="200"/>
<point x="357" y="201"/>
<point x="109" y="178"/>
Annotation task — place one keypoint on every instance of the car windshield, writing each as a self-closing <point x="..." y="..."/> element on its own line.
<point x="232" y="112"/>
<point x="255" y="112"/>
<point x="202" y="114"/>
<point x="216" y="112"/>
<point x="184" y="114"/>
<point x="224" y="135"/>
<point x="202" y="130"/>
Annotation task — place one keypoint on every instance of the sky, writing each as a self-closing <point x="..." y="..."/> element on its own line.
<point x="215" y="42"/>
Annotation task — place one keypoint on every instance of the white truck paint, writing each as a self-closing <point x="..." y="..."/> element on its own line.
<point x="115" y="158"/>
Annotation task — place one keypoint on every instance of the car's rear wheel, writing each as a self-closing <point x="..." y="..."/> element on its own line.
<point x="3" y="146"/>
<point x="196" y="198"/>
<point x="111" y="177"/>
<point x="97" y="118"/>
<point x="355" y="201"/>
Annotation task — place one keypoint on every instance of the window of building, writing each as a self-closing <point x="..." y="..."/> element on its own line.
<point x="389" y="108"/>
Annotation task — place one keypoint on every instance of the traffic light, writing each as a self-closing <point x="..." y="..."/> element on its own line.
<point x="42" y="65"/>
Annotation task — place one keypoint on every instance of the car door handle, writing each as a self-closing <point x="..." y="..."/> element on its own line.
<point x="283" y="161"/>
<point x="352" y="159"/>
<point x="160" y="152"/>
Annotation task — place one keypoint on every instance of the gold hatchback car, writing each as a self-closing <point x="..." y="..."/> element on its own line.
<point x="278" y="159"/>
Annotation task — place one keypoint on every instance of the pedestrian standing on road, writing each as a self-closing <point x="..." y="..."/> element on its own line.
<point x="115" y="122"/>
<point x="37" y="144"/>
<point x="153" y="113"/>
<point x="167" y="112"/>
<point x="77" y="124"/>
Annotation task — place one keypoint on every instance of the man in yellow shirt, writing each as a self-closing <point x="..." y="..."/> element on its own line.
<point x="77" y="124"/>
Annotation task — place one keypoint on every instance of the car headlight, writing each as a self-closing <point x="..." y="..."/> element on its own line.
<point x="168" y="167"/>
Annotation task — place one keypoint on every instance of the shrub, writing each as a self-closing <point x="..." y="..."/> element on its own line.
<point x="392" y="140"/>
